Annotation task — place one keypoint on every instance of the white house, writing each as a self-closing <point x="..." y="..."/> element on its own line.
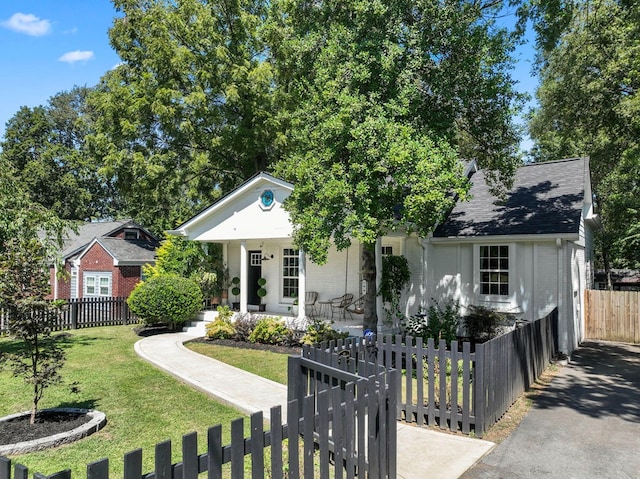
<point x="525" y="254"/>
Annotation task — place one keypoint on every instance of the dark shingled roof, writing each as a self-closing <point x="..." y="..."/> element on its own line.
<point x="546" y="198"/>
<point x="75" y="243"/>
<point x="131" y="251"/>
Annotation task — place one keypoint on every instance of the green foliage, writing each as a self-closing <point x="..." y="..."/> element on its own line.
<point x="30" y="236"/>
<point x="220" y="328"/>
<point x="189" y="112"/>
<point x="589" y="105"/>
<point x="262" y="292"/>
<point x="46" y="146"/>
<point x="395" y="278"/>
<point x="385" y="98"/>
<point x="271" y="330"/>
<point x="235" y="290"/>
<point x="166" y="298"/>
<point x="319" y="331"/>
<point x="439" y="323"/>
<point x="482" y="323"/>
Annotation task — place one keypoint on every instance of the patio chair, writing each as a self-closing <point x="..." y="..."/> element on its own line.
<point x="355" y="307"/>
<point x="340" y="304"/>
<point x="310" y="298"/>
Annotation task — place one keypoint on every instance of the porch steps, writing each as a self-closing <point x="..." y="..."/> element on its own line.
<point x="197" y="326"/>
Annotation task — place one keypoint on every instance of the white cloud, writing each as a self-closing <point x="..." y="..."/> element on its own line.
<point x="27" y="23"/>
<point x="77" y="56"/>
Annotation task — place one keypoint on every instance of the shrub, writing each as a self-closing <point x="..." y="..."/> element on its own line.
<point x="482" y="323"/>
<point x="244" y="326"/>
<point x="166" y="298"/>
<point x="271" y="330"/>
<point x="439" y="323"/>
<point x="443" y="323"/>
<point x="319" y="331"/>
<point x="220" y="328"/>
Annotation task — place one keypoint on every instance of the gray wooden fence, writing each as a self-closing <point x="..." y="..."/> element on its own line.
<point x="342" y="431"/>
<point x="462" y="388"/>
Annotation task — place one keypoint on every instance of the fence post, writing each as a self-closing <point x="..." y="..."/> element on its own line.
<point x="295" y="388"/>
<point x="74" y="314"/>
<point x="479" y="396"/>
<point x="125" y="312"/>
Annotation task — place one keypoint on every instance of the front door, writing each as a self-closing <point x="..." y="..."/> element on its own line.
<point x="254" y="274"/>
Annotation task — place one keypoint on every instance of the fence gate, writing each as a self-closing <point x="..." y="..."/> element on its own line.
<point x="612" y="315"/>
<point x="353" y="403"/>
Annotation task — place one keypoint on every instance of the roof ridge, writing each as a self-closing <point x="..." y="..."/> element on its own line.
<point x="563" y="160"/>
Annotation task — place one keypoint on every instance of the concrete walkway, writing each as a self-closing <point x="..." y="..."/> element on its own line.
<point x="585" y="424"/>
<point x="421" y="452"/>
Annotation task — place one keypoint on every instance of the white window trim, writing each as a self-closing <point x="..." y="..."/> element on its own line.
<point x="494" y="298"/>
<point x="97" y="276"/>
<point x="283" y="277"/>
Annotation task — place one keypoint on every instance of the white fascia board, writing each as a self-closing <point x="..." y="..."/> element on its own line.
<point x="504" y="238"/>
<point x="224" y="201"/>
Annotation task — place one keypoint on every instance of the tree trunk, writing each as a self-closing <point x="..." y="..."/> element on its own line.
<point x="370" y="319"/>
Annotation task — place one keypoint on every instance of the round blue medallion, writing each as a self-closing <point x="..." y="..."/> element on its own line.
<point x="267" y="198"/>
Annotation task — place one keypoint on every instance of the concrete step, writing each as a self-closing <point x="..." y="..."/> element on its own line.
<point x="197" y="327"/>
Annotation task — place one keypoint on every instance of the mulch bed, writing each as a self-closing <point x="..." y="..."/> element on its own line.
<point x="47" y="424"/>
<point x="247" y="345"/>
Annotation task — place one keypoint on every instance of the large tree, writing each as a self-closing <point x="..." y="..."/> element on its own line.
<point x="385" y="99"/>
<point x="188" y="113"/>
<point x="589" y="105"/>
<point x="46" y="146"/>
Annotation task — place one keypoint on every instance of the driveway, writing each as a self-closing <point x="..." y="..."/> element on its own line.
<point x="585" y="424"/>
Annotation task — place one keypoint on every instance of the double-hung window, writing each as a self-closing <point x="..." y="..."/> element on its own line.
<point x="290" y="273"/>
<point x="494" y="270"/>
<point x="97" y="284"/>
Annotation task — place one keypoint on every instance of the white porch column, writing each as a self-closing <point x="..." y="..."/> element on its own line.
<point x="225" y="264"/>
<point x="244" y="270"/>
<point x="379" y="304"/>
<point x="302" y="283"/>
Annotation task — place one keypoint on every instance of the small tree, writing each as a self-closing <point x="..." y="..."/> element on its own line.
<point x="165" y="299"/>
<point x="29" y="237"/>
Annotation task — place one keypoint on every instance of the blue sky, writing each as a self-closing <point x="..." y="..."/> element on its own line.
<point x="48" y="46"/>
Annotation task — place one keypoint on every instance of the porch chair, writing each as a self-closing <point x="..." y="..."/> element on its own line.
<point x="310" y="298"/>
<point x="355" y="307"/>
<point x="340" y="304"/>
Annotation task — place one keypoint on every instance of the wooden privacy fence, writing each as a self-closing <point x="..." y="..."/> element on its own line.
<point x="87" y="313"/>
<point x="612" y="315"/>
<point x="508" y="365"/>
<point x="345" y="430"/>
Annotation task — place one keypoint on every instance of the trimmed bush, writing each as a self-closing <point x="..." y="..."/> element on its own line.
<point x="319" y="331"/>
<point x="271" y="330"/>
<point x="220" y="328"/>
<point x="165" y="299"/>
<point x="482" y="323"/>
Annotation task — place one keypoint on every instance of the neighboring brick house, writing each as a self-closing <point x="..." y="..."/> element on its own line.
<point x="104" y="259"/>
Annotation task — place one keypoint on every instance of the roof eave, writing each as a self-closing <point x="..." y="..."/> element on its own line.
<point x="506" y="238"/>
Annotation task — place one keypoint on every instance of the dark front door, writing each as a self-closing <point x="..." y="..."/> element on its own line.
<point x="254" y="274"/>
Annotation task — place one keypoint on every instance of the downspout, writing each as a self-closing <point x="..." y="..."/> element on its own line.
<point x="379" y="304"/>
<point x="562" y="320"/>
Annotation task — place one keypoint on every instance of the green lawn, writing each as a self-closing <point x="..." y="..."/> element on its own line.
<point x="143" y="405"/>
<point x="264" y="363"/>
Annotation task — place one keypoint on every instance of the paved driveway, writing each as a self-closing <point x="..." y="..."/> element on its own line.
<point x="585" y="424"/>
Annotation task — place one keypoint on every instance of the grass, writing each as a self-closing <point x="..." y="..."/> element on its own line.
<point x="144" y="405"/>
<point x="268" y="364"/>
